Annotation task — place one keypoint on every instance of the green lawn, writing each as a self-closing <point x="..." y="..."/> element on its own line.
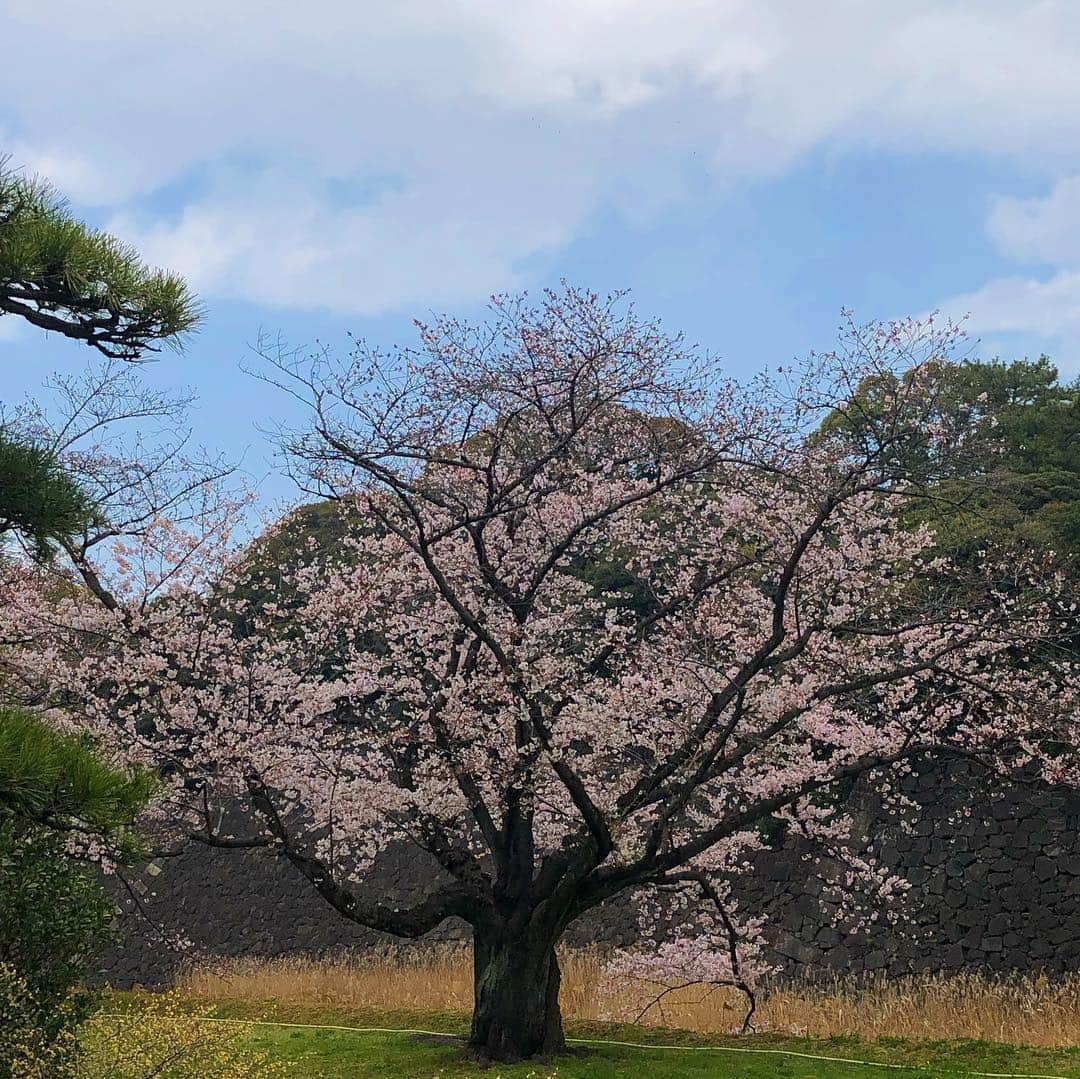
<point x="339" y="1053"/>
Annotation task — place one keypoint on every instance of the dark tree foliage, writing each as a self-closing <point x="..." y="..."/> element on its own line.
<point x="61" y="275"/>
<point x="1017" y="485"/>
<point x="58" y="781"/>
<point x="38" y="499"/>
<point x="1030" y="459"/>
<point x="55" y="918"/>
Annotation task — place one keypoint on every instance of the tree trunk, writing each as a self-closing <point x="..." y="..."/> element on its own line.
<point x="516" y="996"/>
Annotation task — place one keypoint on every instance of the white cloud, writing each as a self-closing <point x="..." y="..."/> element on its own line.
<point x="228" y="139"/>
<point x="1040" y="229"/>
<point x="275" y="244"/>
<point x="1039" y="314"/>
<point x="1020" y="304"/>
<point x="1042" y="310"/>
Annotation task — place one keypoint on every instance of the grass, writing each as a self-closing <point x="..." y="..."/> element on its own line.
<point x="1031" y="1010"/>
<point x="334" y="1054"/>
<point x="935" y="1025"/>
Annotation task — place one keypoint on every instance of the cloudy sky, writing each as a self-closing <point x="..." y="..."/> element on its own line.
<point x="747" y="169"/>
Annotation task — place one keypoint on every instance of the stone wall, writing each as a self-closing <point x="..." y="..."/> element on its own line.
<point x="995" y="872"/>
<point x="995" y="883"/>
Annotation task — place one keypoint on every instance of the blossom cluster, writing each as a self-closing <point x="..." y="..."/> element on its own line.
<point x="575" y="616"/>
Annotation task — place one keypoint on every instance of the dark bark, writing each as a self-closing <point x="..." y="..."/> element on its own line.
<point x="516" y="996"/>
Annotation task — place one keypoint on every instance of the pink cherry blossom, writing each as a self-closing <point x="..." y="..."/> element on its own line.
<point x="590" y="617"/>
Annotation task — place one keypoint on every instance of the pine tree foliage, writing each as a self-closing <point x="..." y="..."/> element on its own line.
<point x="60" y="780"/>
<point x="61" y="275"/>
<point x="38" y="499"/>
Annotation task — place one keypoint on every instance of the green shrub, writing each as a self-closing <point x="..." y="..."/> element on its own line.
<point x="55" y="919"/>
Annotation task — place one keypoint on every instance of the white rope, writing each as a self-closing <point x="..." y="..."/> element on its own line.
<point x="603" y="1041"/>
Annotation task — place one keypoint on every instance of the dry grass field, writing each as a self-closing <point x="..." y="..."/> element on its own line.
<point x="1031" y="1010"/>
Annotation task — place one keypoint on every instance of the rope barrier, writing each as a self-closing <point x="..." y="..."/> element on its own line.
<point x="605" y="1041"/>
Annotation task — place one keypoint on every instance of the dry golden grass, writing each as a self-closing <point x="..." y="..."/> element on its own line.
<point x="1032" y="1010"/>
<point x="1029" y="1009"/>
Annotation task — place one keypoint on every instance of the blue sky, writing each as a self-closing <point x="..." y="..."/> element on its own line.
<point x="746" y="169"/>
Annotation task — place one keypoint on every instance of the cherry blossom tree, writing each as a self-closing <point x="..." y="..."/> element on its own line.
<point x="592" y="616"/>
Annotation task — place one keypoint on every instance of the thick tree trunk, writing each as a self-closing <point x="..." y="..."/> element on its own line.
<point x="516" y="997"/>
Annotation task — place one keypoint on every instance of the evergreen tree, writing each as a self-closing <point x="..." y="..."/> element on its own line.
<point x="61" y="802"/>
<point x="55" y="916"/>
<point x="1016" y="483"/>
<point x="60" y="782"/>
<point x="61" y="275"/>
<point x="38" y="499"/>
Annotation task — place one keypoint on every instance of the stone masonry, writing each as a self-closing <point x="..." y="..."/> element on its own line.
<point x="994" y="868"/>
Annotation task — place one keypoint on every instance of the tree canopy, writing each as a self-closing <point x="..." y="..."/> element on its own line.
<point x="446" y="676"/>
<point x="60" y="780"/>
<point x="58" y="798"/>
<point x="61" y="275"/>
<point x="39" y="499"/>
<point x="1016" y="483"/>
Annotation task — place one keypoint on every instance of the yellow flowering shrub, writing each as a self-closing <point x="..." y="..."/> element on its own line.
<point x="27" y="1051"/>
<point x="164" y="1038"/>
